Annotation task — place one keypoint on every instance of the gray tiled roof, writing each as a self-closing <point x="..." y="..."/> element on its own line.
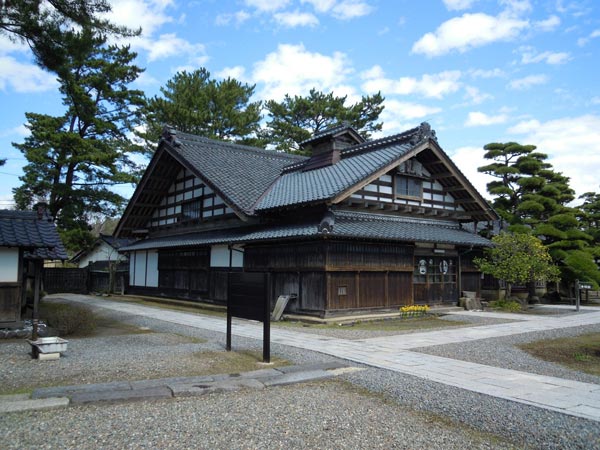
<point x="299" y="187"/>
<point x="38" y="235"/>
<point x="242" y="174"/>
<point x="348" y="224"/>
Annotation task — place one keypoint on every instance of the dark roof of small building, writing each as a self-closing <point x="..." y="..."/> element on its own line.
<point x="332" y="131"/>
<point x="346" y="224"/>
<point x="35" y="233"/>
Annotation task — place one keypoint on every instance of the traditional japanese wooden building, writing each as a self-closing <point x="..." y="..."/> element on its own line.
<point x="358" y="225"/>
<point x="27" y="238"/>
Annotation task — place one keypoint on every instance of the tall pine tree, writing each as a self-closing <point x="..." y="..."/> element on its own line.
<point x="76" y="158"/>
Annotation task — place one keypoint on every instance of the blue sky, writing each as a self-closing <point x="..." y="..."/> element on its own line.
<point x="477" y="70"/>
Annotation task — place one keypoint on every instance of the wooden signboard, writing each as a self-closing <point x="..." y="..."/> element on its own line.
<point x="248" y="298"/>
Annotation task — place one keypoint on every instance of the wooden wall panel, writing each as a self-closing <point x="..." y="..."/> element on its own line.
<point x="10" y="303"/>
<point x="471" y="281"/>
<point x="372" y="289"/>
<point x="313" y="290"/>
<point x="342" y="290"/>
<point x="285" y="257"/>
<point x="400" y="288"/>
<point x="349" y="255"/>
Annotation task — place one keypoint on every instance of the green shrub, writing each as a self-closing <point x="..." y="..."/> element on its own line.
<point x="68" y="319"/>
<point x="506" y="305"/>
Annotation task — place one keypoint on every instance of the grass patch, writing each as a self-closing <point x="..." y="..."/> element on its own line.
<point x="67" y="319"/>
<point x="421" y="323"/>
<point x="581" y="353"/>
<point x="236" y="362"/>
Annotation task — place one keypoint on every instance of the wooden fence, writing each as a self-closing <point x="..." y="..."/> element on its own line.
<point x="94" y="278"/>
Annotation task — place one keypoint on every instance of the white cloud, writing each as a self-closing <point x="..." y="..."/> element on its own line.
<point x="429" y="85"/>
<point x="169" y="45"/>
<point x="491" y="73"/>
<point x="350" y="9"/>
<point x="457" y="5"/>
<point x="469" y="158"/>
<point x="296" y="19"/>
<point x="528" y="81"/>
<point x="20" y="130"/>
<point x="237" y="18"/>
<point x="524" y="127"/>
<point x="8" y="46"/>
<point x="399" y="116"/>
<point x="267" y="5"/>
<point x="550" y="24"/>
<point x="237" y="72"/>
<point x="479" y="119"/>
<point x="530" y="56"/>
<point x="321" y="6"/>
<point x="467" y="32"/>
<point x="595" y="100"/>
<point x="583" y="41"/>
<point x="24" y="78"/>
<point x="293" y="70"/>
<point x="516" y="7"/>
<point x="573" y="146"/>
<point x="408" y="110"/>
<point x="149" y="15"/>
<point x="475" y="96"/>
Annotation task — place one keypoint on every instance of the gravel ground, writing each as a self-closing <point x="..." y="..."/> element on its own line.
<point x="325" y="415"/>
<point x="378" y="409"/>
<point x="526" y="426"/>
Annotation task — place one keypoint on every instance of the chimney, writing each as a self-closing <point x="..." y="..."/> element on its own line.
<point x="326" y="146"/>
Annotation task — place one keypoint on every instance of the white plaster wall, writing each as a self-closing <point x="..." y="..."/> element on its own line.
<point x="140" y="268"/>
<point x="9" y="265"/>
<point x="152" y="269"/>
<point x="219" y="256"/>
<point x="102" y="252"/>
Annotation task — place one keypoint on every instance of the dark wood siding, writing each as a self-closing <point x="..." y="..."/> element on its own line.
<point x="400" y="288"/>
<point x="10" y="303"/>
<point x="313" y="288"/>
<point x="184" y="271"/>
<point x="369" y="256"/>
<point x="285" y="257"/>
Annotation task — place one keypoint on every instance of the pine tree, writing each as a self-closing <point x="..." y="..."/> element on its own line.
<point x="76" y="158"/>
<point x="297" y="118"/>
<point x="43" y="23"/>
<point x="194" y="103"/>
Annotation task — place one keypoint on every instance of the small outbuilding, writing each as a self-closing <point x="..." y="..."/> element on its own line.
<point x="27" y="238"/>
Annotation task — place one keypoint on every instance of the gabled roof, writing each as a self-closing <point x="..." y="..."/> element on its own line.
<point x="254" y="181"/>
<point x="32" y="232"/>
<point x="343" y="224"/>
<point x="238" y="174"/>
<point x="109" y="240"/>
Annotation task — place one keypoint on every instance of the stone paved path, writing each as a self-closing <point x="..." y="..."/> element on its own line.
<point x="392" y="353"/>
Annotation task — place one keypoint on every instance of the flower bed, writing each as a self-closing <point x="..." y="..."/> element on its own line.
<point x="413" y="311"/>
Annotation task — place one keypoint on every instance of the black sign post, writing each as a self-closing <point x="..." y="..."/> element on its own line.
<point x="248" y="298"/>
